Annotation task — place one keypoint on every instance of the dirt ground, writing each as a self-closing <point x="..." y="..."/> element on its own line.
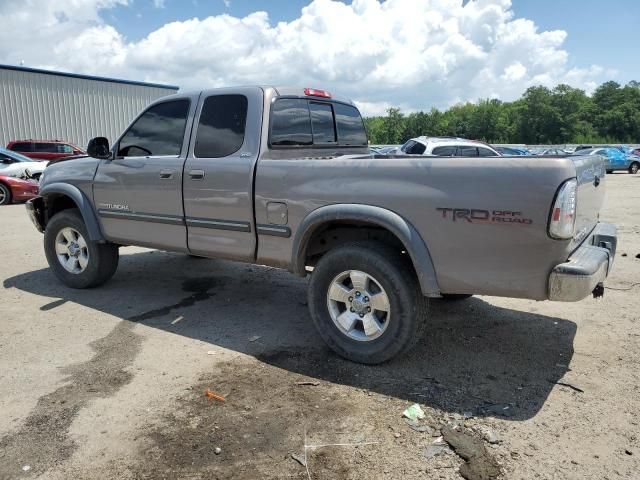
<point x="110" y="383"/>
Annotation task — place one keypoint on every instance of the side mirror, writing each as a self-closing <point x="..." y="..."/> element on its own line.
<point x="99" y="148"/>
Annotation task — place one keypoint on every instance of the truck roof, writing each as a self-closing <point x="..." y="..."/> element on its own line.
<point x="279" y="91"/>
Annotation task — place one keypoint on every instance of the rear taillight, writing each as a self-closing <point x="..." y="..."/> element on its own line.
<point x="563" y="213"/>
<point x="314" y="92"/>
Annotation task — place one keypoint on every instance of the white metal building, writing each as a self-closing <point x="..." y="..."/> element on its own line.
<point x="48" y="105"/>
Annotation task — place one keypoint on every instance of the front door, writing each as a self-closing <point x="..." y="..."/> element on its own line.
<point x="218" y="174"/>
<point x="138" y="194"/>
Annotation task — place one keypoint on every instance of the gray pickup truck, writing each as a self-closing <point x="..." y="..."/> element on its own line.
<point x="283" y="177"/>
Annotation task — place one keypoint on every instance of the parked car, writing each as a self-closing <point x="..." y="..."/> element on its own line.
<point x="14" y="189"/>
<point x="13" y="164"/>
<point x="552" y="151"/>
<point x="615" y="160"/>
<point x="447" y="147"/>
<point x="45" y="149"/>
<point x="283" y="177"/>
<point x="513" y="151"/>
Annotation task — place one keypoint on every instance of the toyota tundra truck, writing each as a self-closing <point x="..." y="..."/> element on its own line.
<point x="283" y="177"/>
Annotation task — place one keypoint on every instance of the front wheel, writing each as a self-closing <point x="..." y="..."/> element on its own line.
<point x="634" y="167"/>
<point x="366" y="303"/>
<point x="5" y="194"/>
<point x="73" y="257"/>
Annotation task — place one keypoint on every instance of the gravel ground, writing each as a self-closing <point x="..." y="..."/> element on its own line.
<point x="110" y="383"/>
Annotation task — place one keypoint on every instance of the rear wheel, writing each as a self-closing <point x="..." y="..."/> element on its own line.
<point x="366" y="303"/>
<point x="634" y="167"/>
<point x="73" y="257"/>
<point x="5" y="194"/>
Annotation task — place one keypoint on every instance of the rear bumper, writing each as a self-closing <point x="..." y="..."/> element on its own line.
<point x="586" y="268"/>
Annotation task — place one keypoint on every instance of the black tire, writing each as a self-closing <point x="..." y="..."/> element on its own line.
<point x="408" y="307"/>
<point x="455" y="297"/>
<point x="634" y="167"/>
<point x="5" y="198"/>
<point x="103" y="257"/>
<point x="609" y="172"/>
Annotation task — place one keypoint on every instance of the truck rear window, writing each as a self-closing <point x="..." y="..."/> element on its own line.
<point x="302" y="122"/>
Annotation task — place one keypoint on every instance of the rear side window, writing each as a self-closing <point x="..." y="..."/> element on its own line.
<point x="158" y="132"/>
<point x="449" y="151"/>
<point x="467" y="152"/>
<point x="485" y="152"/>
<point x="21" y="147"/>
<point x="416" y="149"/>
<point x="322" y="123"/>
<point x="350" y="125"/>
<point x="222" y="126"/>
<point x="290" y="123"/>
<point x="46" y="147"/>
<point x="300" y="122"/>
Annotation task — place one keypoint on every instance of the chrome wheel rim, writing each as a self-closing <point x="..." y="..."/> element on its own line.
<point x="72" y="250"/>
<point x="358" y="305"/>
<point x="3" y="195"/>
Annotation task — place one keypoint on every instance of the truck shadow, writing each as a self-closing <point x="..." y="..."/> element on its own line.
<point x="476" y="357"/>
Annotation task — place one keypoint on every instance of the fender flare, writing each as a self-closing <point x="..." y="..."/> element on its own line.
<point x="401" y="228"/>
<point x="83" y="204"/>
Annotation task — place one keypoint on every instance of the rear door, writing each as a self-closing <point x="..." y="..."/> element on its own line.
<point x="218" y="173"/>
<point x="138" y="194"/>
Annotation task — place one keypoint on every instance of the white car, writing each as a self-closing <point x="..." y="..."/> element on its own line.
<point x="13" y="164"/>
<point x="447" y="147"/>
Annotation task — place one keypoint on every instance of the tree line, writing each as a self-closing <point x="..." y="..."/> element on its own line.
<point x="541" y="116"/>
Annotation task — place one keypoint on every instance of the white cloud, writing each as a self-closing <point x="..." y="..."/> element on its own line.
<point x="159" y="3"/>
<point x="412" y="53"/>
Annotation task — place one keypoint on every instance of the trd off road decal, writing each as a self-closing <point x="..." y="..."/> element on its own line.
<point x="472" y="215"/>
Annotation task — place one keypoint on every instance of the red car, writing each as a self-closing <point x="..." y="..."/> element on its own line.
<point x="44" y="149"/>
<point x="17" y="190"/>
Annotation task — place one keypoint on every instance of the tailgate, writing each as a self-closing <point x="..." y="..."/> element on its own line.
<point x="590" y="172"/>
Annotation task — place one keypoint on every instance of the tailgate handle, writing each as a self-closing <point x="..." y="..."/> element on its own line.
<point x="196" y="174"/>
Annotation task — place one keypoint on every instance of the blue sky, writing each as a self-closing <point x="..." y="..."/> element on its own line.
<point x="604" y="32"/>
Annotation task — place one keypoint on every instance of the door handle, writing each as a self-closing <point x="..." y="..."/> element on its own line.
<point x="196" y="174"/>
<point x="166" y="174"/>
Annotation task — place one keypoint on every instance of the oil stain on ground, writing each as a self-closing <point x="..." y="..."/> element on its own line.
<point x="200" y="291"/>
<point x="43" y="440"/>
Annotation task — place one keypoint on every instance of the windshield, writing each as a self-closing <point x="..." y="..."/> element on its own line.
<point x="16" y="156"/>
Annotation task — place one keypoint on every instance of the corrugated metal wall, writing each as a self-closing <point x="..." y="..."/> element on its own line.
<point x="54" y="107"/>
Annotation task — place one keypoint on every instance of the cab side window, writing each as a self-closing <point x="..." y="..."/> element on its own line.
<point x="222" y="126"/>
<point x="158" y="132"/>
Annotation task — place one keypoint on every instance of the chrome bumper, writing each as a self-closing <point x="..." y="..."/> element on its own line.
<point x="586" y="268"/>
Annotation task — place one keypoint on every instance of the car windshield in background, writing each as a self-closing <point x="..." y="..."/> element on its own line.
<point x="16" y="156"/>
